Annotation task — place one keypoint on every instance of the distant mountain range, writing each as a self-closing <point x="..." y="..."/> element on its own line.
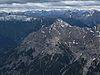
<point x="50" y="42"/>
<point x="17" y="25"/>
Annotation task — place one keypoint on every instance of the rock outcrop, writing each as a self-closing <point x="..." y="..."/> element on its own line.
<point x="60" y="49"/>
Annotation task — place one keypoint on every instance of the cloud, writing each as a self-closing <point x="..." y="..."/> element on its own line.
<point x="24" y="1"/>
<point x="50" y="5"/>
<point x="81" y="3"/>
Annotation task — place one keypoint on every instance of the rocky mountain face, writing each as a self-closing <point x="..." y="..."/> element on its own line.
<point x="17" y="25"/>
<point x="60" y="49"/>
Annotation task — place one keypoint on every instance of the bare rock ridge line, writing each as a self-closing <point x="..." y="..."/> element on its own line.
<point x="60" y="49"/>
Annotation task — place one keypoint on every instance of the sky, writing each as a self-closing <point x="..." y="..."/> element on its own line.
<point x="22" y="5"/>
<point x="24" y="1"/>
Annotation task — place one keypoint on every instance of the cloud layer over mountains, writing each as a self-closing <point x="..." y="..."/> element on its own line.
<point x="23" y="1"/>
<point x="51" y="5"/>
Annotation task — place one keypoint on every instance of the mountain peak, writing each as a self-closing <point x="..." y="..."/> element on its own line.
<point x="51" y="46"/>
<point x="60" y="24"/>
<point x="59" y="20"/>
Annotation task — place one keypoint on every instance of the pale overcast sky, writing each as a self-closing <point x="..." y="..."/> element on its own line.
<point x="24" y="1"/>
<point x="52" y="4"/>
<point x="59" y="4"/>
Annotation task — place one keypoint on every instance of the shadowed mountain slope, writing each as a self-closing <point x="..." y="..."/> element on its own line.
<point x="60" y="49"/>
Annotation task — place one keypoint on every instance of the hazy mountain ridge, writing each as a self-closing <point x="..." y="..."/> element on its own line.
<point x="87" y="17"/>
<point x="58" y="49"/>
<point x="22" y="23"/>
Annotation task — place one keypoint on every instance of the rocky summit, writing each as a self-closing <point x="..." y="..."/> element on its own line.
<point x="60" y="49"/>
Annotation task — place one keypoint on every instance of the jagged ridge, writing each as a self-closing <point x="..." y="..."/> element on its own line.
<point x="59" y="49"/>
